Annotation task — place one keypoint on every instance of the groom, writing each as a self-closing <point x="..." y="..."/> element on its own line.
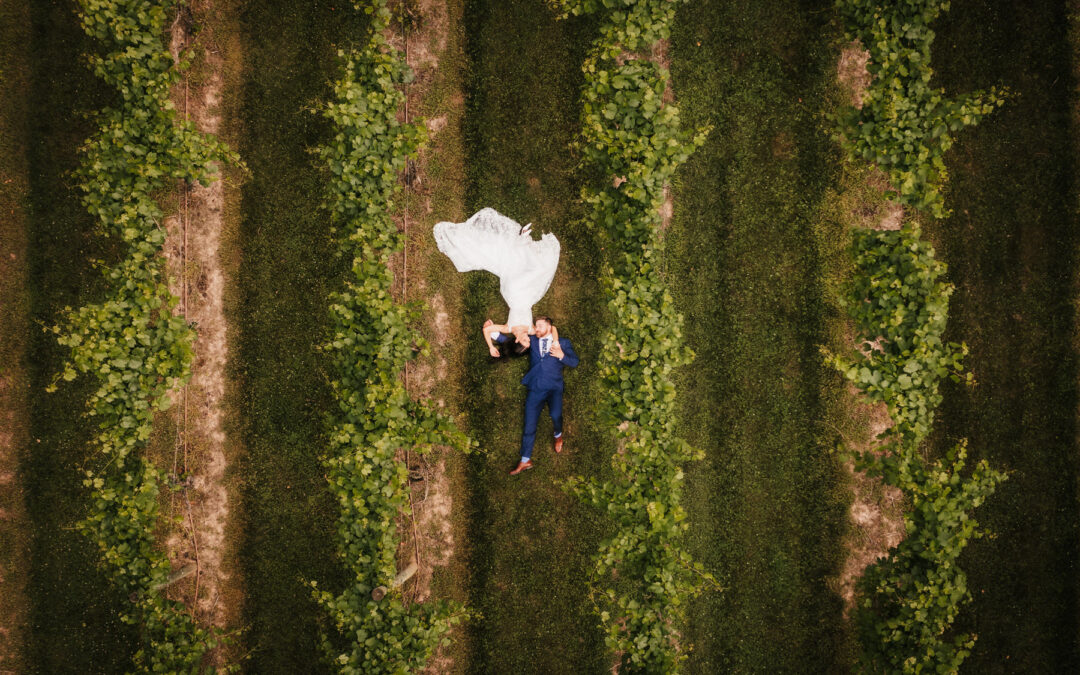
<point x="547" y="357"/>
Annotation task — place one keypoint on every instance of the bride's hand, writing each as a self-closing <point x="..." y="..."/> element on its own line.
<point x="494" y="352"/>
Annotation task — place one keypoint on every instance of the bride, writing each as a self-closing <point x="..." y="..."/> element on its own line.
<point x="490" y="241"/>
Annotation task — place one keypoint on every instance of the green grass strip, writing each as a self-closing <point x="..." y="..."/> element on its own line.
<point x="75" y="610"/>
<point x="285" y="272"/>
<point x="1011" y="246"/>
<point x="768" y="503"/>
<point x="528" y="541"/>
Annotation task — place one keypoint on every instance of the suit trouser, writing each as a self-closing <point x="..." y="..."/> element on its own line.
<point x="534" y="403"/>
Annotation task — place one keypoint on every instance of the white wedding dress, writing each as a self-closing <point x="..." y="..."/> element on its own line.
<point x="490" y="241"/>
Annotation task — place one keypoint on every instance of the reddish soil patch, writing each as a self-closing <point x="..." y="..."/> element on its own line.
<point x="428" y="537"/>
<point x="852" y="72"/>
<point x="876" y="513"/>
<point x="197" y="278"/>
<point x="14" y="526"/>
<point x="432" y="505"/>
<point x="893" y="218"/>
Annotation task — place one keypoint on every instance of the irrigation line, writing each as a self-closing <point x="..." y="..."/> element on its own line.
<point x="184" y="206"/>
<point x="176" y="443"/>
<point x="184" y="391"/>
<point x="405" y="286"/>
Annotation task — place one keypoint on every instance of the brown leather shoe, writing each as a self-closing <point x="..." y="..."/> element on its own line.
<point x="558" y="444"/>
<point x="521" y="467"/>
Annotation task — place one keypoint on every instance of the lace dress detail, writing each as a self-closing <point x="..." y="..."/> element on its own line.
<point x="492" y="242"/>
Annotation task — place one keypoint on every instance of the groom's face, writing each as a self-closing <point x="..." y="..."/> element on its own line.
<point x="542" y="328"/>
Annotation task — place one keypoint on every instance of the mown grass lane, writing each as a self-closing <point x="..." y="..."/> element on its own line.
<point x="767" y="504"/>
<point x="285" y="271"/>
<point x="74" y="614"/>
<point x="1011" y="249"/>
<point x="530" y="542"/>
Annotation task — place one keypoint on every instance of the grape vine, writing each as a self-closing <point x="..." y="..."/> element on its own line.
<point x="900" y="303"/>
<point x="131" y="341"/>
<point x="909" y="600"/>
<point x="643" y="577"/>
<point x="905" y="126"/>
<point x="371" y="341"/>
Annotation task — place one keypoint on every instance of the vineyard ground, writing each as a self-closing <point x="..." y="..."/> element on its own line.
<point x="768" y="504"/>
<point x="285" y="269"/>
<point x="201" y="252"/>
<point x="530" y="543"/>
<point x="1011" y="247"/>
<point x="14" y="331"/>
<point x="436" y="52"/>
<point x="753" y="257"/>
<point x="74" y="624"/>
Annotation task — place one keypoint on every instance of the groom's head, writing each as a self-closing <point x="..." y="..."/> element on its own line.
<point x="543" y="326"/>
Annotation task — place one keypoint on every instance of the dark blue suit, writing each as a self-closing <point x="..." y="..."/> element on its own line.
<point x="545" y="384"/>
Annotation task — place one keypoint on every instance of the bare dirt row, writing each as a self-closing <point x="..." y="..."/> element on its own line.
<point x="876" y="513"/>
<point x="428" y="35"/>
<point x="200" y="448"/>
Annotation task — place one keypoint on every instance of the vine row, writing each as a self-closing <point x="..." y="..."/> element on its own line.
<point x="905" y="126"/>
<point x="909" y="600"/>
<point x="132" y="342"/>
<point x="371" y="341"/>
<point x="898" y="298"/>
<point x="643" y="578"/>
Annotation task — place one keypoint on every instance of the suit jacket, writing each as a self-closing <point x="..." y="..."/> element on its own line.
<point x="545" y="373"/>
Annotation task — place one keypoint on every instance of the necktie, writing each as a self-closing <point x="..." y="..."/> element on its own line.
<point x="544" y="346"/>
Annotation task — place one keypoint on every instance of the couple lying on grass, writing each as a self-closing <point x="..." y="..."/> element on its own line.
<point x="492" y="242"/>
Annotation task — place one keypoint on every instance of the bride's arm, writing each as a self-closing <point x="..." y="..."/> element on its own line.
<point x="556" y="348"/>
<point x="490" y="328"/>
